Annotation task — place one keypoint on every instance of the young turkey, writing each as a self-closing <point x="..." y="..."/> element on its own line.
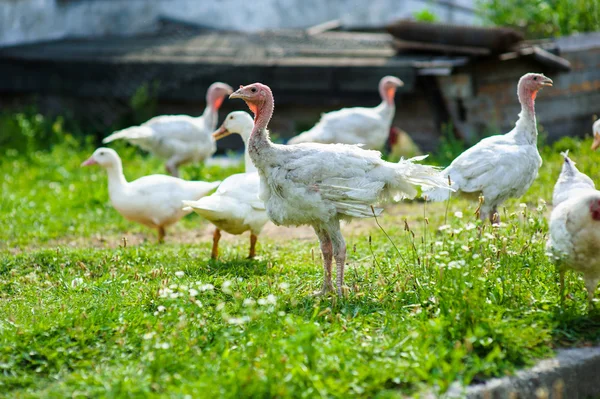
<point x="503" y="166"/>
<point x="575" y="227"/>
<point x="367" y="126"/>
<point x="235" y="207"/>
<point x="596" y="130"/>
<point x="319" y="184"/>
<point x="179" y="139"/>
<point x="155" y="200"/>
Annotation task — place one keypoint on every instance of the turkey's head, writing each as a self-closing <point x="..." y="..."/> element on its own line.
<point x="258" y="97"/>
<point x="387" y="88"/>
<point x="596" y="129"/>
<point x="531" y="83"/>
<point x="595" y="209"/>
<point x="216" y="94"/>
<point x="105" y="157"/>
<point x="236" y="122"/>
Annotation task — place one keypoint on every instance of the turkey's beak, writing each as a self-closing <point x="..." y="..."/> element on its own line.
<point x="596" y="142"/>
<point x="89" y="161"/>
<point x="547" y="82"/>
<point x="238" y="93"/>
<point x="221" y="132"/>
<point x="398" y="82"/>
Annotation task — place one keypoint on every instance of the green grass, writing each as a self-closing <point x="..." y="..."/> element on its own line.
<point x="461" y="303"/>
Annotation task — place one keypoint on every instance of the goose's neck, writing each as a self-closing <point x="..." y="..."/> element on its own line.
<point x="259" y="142"/>
<point x="248" y="164"/>
<point x="116" y="179"/>
<point x="526" y="127"/>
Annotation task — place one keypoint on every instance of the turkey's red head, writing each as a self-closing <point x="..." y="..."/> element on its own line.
<point x="595" y="209"/>
<point x="256" y="95"/>
<point x="531" y="83"/>
<point x="216" y="94"/>
<point x="388" y="86"/>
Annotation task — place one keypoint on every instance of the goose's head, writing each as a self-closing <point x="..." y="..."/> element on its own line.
<point x="236" y="122"/>
<point x="105" y="157"/>
<point x="596" y="129"/>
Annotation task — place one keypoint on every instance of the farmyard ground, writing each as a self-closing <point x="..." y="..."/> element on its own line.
<point x="83" y="315"/>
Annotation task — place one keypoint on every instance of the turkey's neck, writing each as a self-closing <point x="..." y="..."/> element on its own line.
<point x="386" y="110"/>
<point x="259" y="142"/>
<point x="526" y="125"/>
<point x="211" y="117"/>
<point x="116" y="179"/>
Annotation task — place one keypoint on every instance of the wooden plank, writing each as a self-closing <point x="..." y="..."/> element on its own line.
<point x="405" y="46"/>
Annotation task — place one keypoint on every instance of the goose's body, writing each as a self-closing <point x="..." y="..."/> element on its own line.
<point x="235" y="206"/>
<point x="179" y="139"/>
<point x="155" y="200"/>
<point x="367" y="126"/>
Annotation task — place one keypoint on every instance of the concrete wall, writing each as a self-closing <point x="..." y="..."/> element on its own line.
<point x="23" y="21"/>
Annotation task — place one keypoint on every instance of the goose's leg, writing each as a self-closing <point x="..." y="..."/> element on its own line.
<point x="172" y="168"/>
<point x="215" y="248"/>
<point x="161" y="235"/>
<point x="253" y="239"/>
<point x="327" y="251"/>
<point x="339" y="253"/>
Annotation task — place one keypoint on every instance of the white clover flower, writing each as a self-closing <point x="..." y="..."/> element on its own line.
<point x="193" y="292"/>
<point x="164" y="292"/>
<point x="465" y="248"/>
<point x="173" y="286"/>
<point x="76" y="282"/>
<point x="489" y="236"/>
<point x="458" y="214"/>
<point x="180" y="273"/>
<point x="262" y="301"/>
<point x="174" y="295"/>
<point x="522" y="205"/>
<point x="470" y="226"/>
<point x="457" y="231"/>
<point x="162" y="345"/>
<point x="238" y="320"/>
<point x="271" y="299"/>
<point x="476" y="256"/>
<point x="456" y="264"/>
<point x="161" y="308"/>
<point x="284" y="286"/>
<point x="281" y="313"/>
<point x="438" y="244"/>
<point x="183" y="287"/>
<point x="444" y="253"/>
<point x="444" y="227"/>
<point x="226" y="287"/>
<point x="249" y="302"/>
<point x="220" y="306"/>
<point x="207" y="287"/>
<point x="149" y="335"/>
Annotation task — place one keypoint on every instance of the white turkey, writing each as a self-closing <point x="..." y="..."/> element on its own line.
<point x="367" y="126"/>
<point x="235" y="207"/>
<point x="596" y="130"/>
<point x="319" y="184"/>
<point x="155" y="200"/>
<point x="179" y="139"/>
<point x="503" y="166"/>
<point x="575" y="227"/>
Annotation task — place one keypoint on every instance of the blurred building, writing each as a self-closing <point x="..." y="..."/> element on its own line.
<point x="23" y="21"/>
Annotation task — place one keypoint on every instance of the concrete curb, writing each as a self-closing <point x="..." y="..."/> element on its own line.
<point x="572" y="374"/>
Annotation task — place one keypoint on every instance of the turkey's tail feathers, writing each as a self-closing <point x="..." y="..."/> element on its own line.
<point x="409" y="174"/>
<point x="131" y="133"/>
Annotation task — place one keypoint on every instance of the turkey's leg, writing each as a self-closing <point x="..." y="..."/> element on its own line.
<point x="339" y="253"/>
<point x="327" y="251"/>
<point x="215" y="248"/>
<point x="253" y="239"/>
<point x="161" y="235"/>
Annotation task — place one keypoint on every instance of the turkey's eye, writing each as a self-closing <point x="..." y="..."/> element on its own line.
<point x="102" y="153"/>
<point x="231" y="117"/>
<point x="535" y="78"/>
<point x="253" y="90"/>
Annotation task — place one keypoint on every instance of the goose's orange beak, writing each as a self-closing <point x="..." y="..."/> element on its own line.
<point x="221" y="132"/>
<point x="89" y="161"/>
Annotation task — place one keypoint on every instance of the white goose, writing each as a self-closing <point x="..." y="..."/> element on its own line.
<point x="503" y="166"/>
<point x="235" y="207"/>
<point x="155" y="200"/>
<point x="367" y="126"/>
<point x="179" y="139"/>
<point x="319" y="184"/>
